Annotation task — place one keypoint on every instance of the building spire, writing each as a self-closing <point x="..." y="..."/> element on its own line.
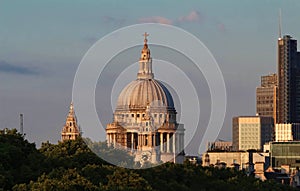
<point x="145" y="69"/>
<point x="279" y="22"/>
<point x="71" y="111"/>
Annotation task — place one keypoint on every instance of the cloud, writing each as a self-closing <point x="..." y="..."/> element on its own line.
<point x="156" y="19"/>
<point x="13" y="69"/>
<point x="193" y="16"/>
<point x="197" y="17"/>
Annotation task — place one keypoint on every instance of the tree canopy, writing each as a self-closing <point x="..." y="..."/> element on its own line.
<point x="71" y="165"/>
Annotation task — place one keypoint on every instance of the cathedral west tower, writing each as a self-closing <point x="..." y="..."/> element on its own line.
<point x="70" y="130"/>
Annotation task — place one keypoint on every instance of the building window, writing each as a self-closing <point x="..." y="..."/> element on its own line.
<point x="132" y="115"/>
<point x="137" y="115"/>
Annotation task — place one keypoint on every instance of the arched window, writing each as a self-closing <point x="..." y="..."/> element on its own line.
<point x="71" y="124"/>
<point x="70" y="130"/>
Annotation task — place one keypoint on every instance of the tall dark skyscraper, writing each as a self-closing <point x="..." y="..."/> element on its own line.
<point x="288" y="105"/>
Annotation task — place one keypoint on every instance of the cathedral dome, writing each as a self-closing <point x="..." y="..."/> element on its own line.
<point x="145" y="90"/>
<point x="144" y="121"/>
<point x="141" y="92"/>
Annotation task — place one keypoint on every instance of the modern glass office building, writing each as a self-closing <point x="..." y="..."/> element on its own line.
<point x="283" y="153"/>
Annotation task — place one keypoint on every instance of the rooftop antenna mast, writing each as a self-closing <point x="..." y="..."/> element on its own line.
<point x="21" y="123"/>
<point x="280" y="23"/>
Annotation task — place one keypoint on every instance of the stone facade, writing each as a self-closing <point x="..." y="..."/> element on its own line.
<point x="251" y="132"/>
<point x="233" y="159"/>
<point x="287" y="132"/>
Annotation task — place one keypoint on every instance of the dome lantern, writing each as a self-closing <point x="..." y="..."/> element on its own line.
<point x="145" y="69"/>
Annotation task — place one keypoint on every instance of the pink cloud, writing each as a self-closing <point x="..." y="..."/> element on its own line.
<point x="156" y="19"/>
<point x="193" y="16"/>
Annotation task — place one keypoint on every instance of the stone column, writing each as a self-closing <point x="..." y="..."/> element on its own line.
<point x="161" y="142"/>
<point x="108" y="137"/>
<point x="125" y="140"/>
<point x="111" y="139"/>
<point x="114" y="139"/>
<point x="150" y="139"/>
<point x="154" y="140"/>
<point x="177" y="143"/>
<point x="131" y="141"/>
<point x="174" y="143"/>
<point x="168" y="142"/>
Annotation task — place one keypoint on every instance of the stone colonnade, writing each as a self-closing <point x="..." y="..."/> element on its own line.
<point x="168" y="142"/>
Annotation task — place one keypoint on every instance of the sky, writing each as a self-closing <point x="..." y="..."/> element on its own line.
<point x="43" y="42"/>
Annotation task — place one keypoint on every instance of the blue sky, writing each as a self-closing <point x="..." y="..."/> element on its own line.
<point x="43" y="42"/>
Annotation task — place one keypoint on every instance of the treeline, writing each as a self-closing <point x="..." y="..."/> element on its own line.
<point x="71" y="165"/>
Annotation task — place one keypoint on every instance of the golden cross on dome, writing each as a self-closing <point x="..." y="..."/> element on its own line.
<point x="145" y="35"/>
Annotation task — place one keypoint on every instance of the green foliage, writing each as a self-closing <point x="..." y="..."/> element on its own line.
<point x="71" y="165"/>
<point x="123" y="179"/>
<point x="114" y="156"/>
<point x="69" y="154"/>
<point x="20" y="161"/>
<point x="97" y="174"/>
<point x="61" y="179"/>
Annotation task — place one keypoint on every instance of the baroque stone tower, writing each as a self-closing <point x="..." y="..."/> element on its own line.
<point x="71" y="130"/>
